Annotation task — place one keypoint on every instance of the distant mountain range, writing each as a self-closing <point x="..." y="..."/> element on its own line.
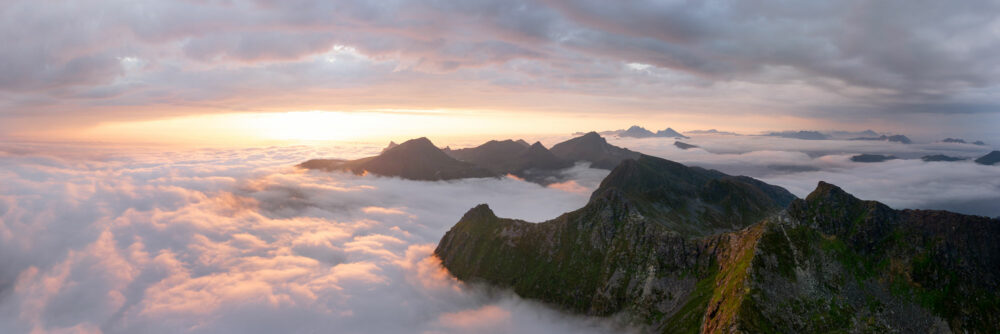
<point x="894" y="138"/>
<point x="962" y="141"/>
<point x="848" y="135"/>
<point x="636" y="131"/>
<point x="805" y="135"/>
<point x="687" y="250"/>
<point x="941" y="157"/>
<point x="872" y="158"/>
<point x="713" y="132"/>
<point x="419" y="159"/>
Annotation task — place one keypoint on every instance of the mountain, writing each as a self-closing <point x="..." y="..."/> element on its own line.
<point x="712" y="132"/>
<point x="668" y="132"/>
<point x="419" y="159"/>
<point x="537" y="157"/>
<point x="592" y="148"/>
<point x="872" y="158"/>
<point x="853" y="134"/>
<point x="962" y="141"/>
<point x="685" y="250"/>
<point x="991" y="158"/>
<point x="941" y="157"/>
<point x="534" y="162"/>
<point x="806" y="135"/>
<point x="391" y="145"/>
<point x="894" y="138"/>
<point x="683" y="145"/>
<point x="495" y="155"/>
<point x="415" y="159"/>
<point x="637" y="132"/>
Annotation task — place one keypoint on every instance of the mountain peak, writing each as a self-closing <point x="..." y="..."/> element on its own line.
<point x="668" y="192"/>
<point x="421" y="142"/>
<point x="479" y="212"/>
<point x="835" y="211"/>
<point x="592" y="136"/>
<point x="592" y="148"/>
<point x="990" y="159"/>
<point x="826" y="190"/>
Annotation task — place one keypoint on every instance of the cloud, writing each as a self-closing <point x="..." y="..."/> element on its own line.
<point x="210" y="241"/>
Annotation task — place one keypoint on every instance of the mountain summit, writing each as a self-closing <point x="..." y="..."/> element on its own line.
<point x="593" y="148"/>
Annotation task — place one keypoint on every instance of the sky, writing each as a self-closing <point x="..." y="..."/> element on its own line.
<point x="235" y="71"/>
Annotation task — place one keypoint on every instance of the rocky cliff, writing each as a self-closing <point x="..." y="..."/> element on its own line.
<point x="684" y="250"/>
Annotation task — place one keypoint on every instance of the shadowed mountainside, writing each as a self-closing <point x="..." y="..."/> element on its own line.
<point x="415" y="159"/>
<point x="419" y="159"/>
<point x="686" y="250"/>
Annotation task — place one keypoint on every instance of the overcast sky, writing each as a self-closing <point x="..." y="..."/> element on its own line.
<point x="926" y="67"/>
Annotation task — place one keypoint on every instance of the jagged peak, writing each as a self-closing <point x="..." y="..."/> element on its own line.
<point x="422" y="141"/>
<point x="421" y="148"/>
<point x="478" y="212"/>
<point x="827" y="191"/>
<point x="538" y="145"/>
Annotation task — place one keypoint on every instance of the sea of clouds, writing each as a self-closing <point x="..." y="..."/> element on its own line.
<point x="100" y="240"/>
<point x="125" y="240"/>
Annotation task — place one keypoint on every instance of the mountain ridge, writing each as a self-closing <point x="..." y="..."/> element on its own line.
<point x="828" y="262"/>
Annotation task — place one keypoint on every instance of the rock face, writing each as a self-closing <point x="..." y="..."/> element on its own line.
<point x="415" y="159"/>
<point x="593" y="148"/>
<point x="872" y="158"/>
<point x="989" y="159"/>
<point x="685" y="250"/>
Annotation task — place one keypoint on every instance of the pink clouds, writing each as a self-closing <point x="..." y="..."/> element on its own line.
<point x="217" y="241"/>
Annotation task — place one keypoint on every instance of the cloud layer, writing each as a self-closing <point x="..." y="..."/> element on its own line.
<point x="829" y="59"/>
<point x="235" y="241"/>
